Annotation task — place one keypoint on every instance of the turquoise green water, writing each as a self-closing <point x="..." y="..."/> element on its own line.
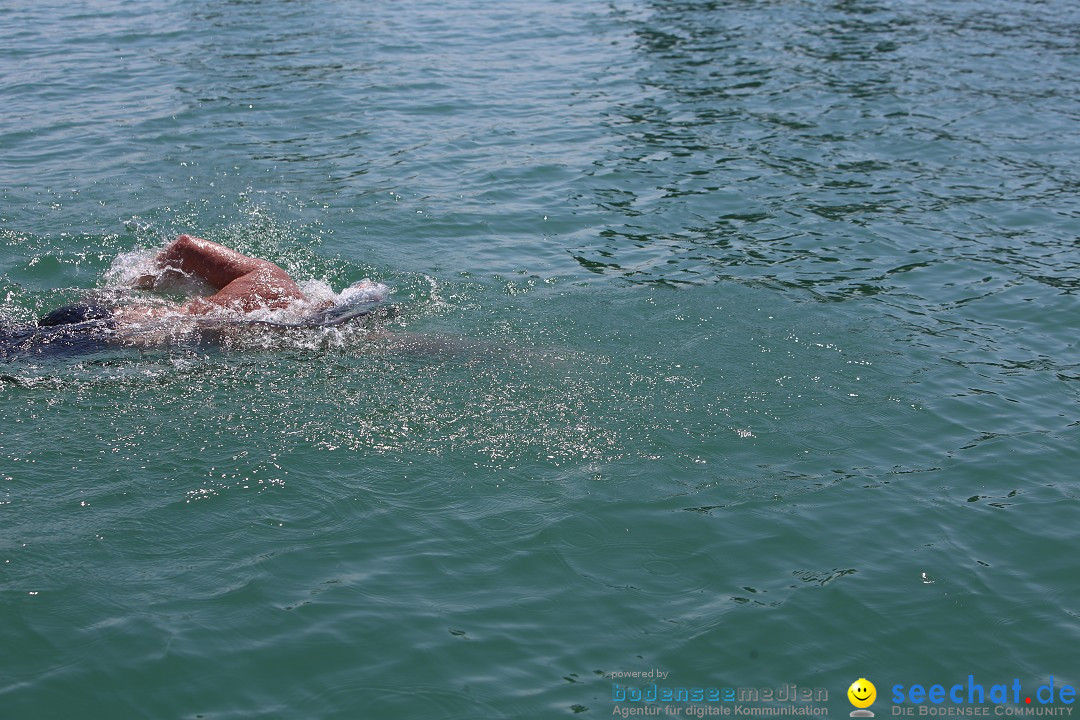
<point x="741" y="345"/>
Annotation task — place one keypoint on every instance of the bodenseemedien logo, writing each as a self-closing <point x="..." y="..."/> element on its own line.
<point x="862" y="694"/>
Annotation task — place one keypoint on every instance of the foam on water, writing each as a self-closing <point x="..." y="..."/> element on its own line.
<point x="128" y="267"/>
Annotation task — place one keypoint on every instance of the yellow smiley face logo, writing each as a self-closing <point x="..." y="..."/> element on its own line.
<point x="862" y="693"/>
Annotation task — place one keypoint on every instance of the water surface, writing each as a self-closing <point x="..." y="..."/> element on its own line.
<point x="754" y="354"/>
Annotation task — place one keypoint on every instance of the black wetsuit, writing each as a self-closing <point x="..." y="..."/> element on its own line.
<point x="78" y="314"/>
<point x="70" y="330"/>
<point x="88" y="327"/>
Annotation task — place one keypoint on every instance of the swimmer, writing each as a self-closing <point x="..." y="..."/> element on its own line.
<point x="240" y="285"/>
<point x="244" y="284"/>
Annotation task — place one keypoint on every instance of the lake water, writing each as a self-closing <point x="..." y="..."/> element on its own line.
<point x="745" y="351"/>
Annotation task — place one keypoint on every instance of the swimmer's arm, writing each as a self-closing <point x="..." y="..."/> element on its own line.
<point x="242" y="283"/>
<point x="212" y="263"/>
<point x="209" y="261"/>
<point x="266" y="287"/>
